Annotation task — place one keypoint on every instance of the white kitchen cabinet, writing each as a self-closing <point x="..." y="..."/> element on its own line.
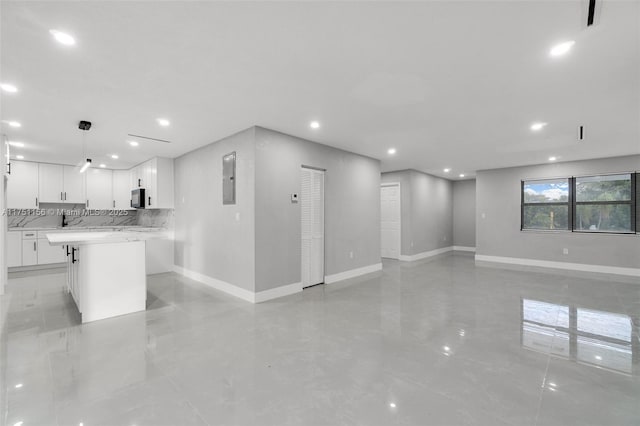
<point x="22" y="185"/>
<point x="74" y="185"/>
<point x="99" y="189"/>
<point x="14" y="248"/>
<point x="122" y="189"/>
<point x="29" y="250"/>
<point x="159" y="183"/>
<point x="138" y="176"/>
<point x="48" y="254"/>
<point x="50" y="183"/>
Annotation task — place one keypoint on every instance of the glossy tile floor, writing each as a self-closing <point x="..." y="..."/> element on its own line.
<point x="439" y="342"/>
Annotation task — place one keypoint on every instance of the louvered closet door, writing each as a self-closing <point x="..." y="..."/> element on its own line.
<point x="312" y="213"/>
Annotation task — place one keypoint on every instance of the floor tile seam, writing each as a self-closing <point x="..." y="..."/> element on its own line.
<point x="176" y="388"/>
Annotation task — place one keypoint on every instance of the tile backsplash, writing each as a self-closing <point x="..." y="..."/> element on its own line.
<point x="50" y="216"/>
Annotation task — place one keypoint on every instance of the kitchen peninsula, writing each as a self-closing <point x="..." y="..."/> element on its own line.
<point x="106" y="270"/>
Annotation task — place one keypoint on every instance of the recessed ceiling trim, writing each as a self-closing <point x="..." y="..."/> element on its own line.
<point x="148" y="138"/>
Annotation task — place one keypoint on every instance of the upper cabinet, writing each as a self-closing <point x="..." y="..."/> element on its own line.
<point x="122" y="189"/>
<point x="156" y="177"/>
<point x="61" y="184"/>
<point x="51" y="183"/>
<point x="22" y="185"/>
<point x="99" y="189"/>
<point x="30" y="184"/>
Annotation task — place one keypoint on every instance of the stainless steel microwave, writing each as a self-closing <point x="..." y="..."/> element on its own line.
<point x="137" y="198"/>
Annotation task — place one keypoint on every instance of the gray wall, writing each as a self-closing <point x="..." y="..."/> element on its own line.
<point x="464" y="213"/>
<point x="498" y="233"/>
<point x="352" y="207"/>
<point x="427" y="211"/>
<point x="209" y="238"/>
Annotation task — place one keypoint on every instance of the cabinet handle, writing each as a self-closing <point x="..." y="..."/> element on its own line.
<point x="61" y="198"/>
<point x="139" y="183"/>
<point x="34" y="246"/>
<point x="9" y="164"/>
<point x="73" y="255"/>
<point x="149" y="201"/>
<point x="130" y="203"/>
<point x="36" y="201"/>
<point x="67" y="247"/>
<point x="114" y="204"/>
<point x="87" y="203"/>
<point x="65" y="195"/>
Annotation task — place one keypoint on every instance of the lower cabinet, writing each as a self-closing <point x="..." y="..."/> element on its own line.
<point x="29" y="252"/>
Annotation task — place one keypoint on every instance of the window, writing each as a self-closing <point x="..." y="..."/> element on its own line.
<point x="603" y="203"/>
<point x="545" y="204"/>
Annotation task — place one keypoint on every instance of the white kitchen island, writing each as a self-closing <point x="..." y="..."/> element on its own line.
<point x="106" y="271"/>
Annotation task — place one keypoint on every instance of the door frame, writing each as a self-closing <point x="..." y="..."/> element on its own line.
<point x="324" y="223"/>
<point x="387" y="184"/>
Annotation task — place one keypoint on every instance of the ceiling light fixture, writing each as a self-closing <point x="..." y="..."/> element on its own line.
<point x="86" y="165"/>
<point x="537" y="126"/>
<point x="552" y="158"/>
<point x="102" y="166"/>
<point x="461" y="174"/>
<point x="14" y="124"/>
<point x="133" y="143"/>
<point x="16" y="144"/>
<point x="392" y="405"/>
<point x="115" y="156"/>
<point x="314" y="125"/>
<point x="20" y="157"/>
<point x="391" y="151"/>
<point x="18" y="386"/>
<point x="9" y="88"/>
<point x="63" y="38"/>
<point x="562" y="48"/>
<point x="447" y="170"/>
<point x="163" y="122"/>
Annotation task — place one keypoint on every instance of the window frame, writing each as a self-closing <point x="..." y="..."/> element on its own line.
<point x="572" y="204"/>
<point x="631" y="203"/>
<point x="559" y="203"/>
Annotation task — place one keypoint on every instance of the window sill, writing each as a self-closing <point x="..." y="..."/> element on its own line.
<point x="567" y="232"/>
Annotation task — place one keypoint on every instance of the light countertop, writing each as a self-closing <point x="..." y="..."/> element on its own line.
<point x="103" y="237"/>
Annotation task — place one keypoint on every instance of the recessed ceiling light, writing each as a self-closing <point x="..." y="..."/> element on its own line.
<point x="163" y="122"/>
<point x="552" y="158"/>
<point x="133" y="143"/>
<point x="114" y="156"/>
<point x="447" y="170"/>
<point x="102" y="166"/>
<point x="14" y="124"/>
<point x="20" y="157"/>
<point x="562" y="48"/>
<point x="391" y="151"/>
<point x="19" y="385"/>
<point x="314" y="125"/>
<point x="63" y="38"/>
<point x="461" y="174"/>
<point x="392" y="405"/>
<point x="10" y="88"/>
<point x="537" y="126"/>
<point x="598" y="357"/>
<point x="16" y="144"/>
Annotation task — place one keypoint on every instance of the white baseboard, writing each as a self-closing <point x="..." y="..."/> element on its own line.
<point x="464" y="248"/>
<point x="226" y="287"/>
<point x="616" y="270"/>
<point x="234" y="290"/>
<point x="425" y="254"/>
<point x="328" y="279"/>
<point x="274" y="293"/>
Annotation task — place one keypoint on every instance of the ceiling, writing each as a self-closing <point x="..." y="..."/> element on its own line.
<point x="448" y="84"/>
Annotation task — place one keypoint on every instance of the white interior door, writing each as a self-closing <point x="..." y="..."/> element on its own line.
<point x="312" y="213"/>
<point x="390" y="221"/>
